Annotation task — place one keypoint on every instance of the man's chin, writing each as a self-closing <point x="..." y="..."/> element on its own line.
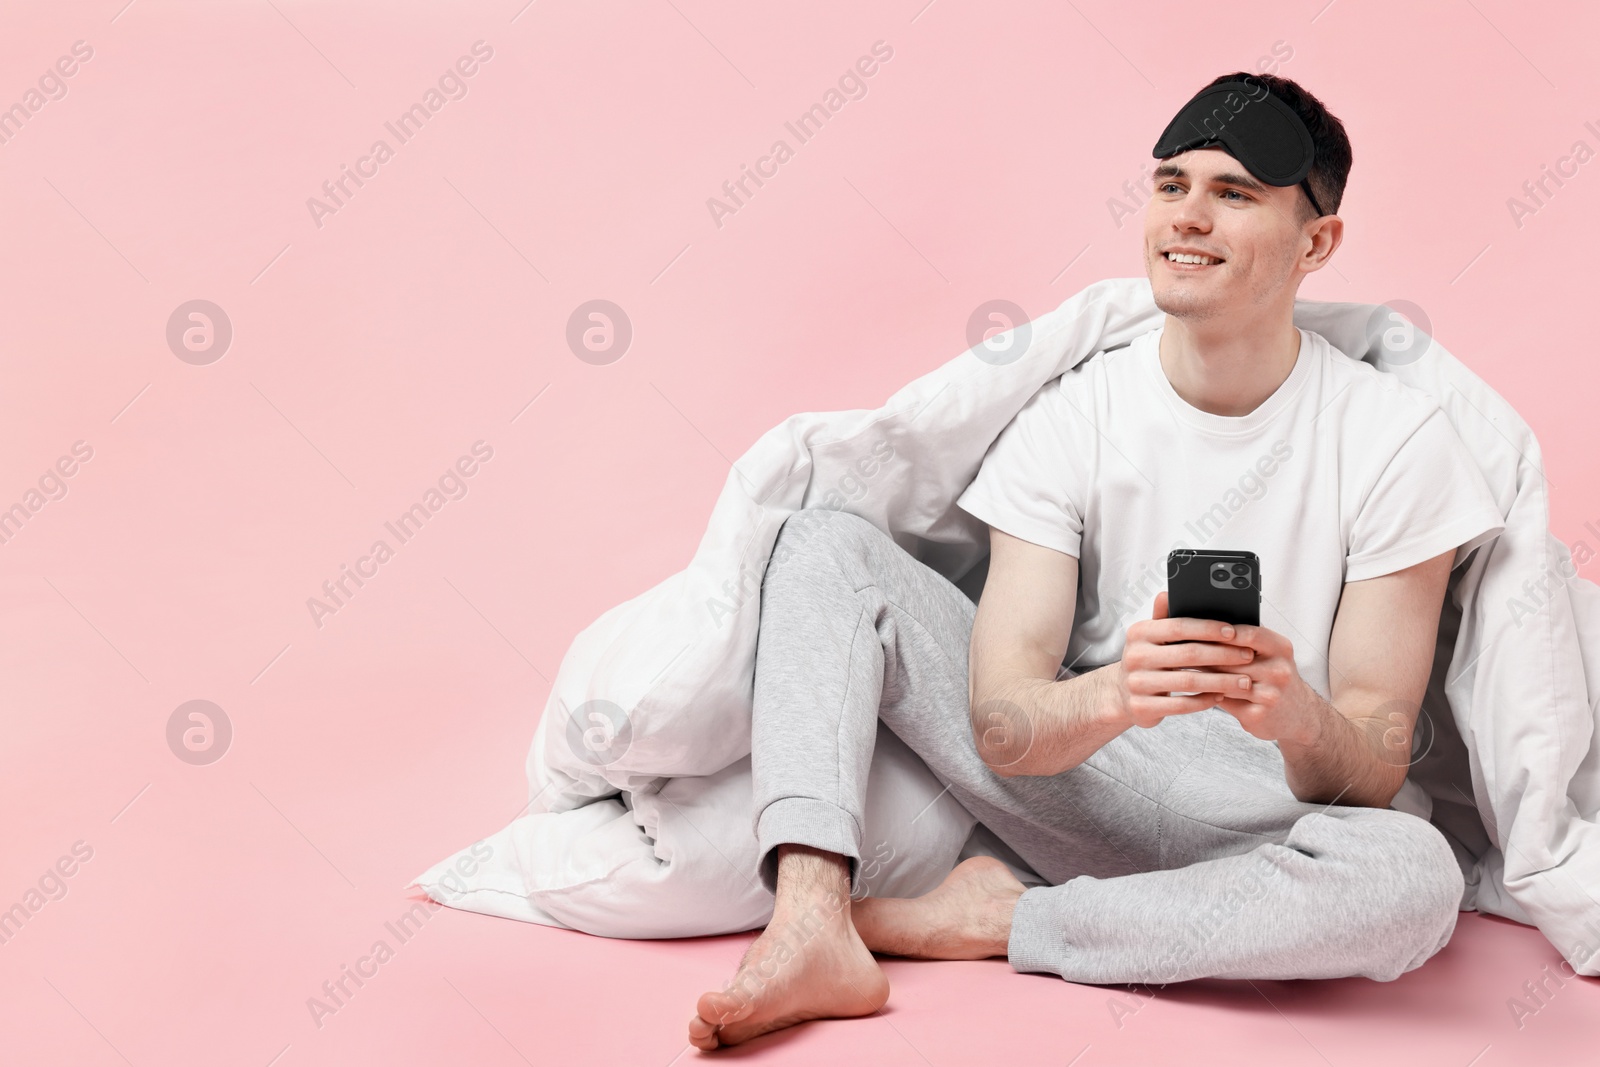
<point x="1184" y="302"/>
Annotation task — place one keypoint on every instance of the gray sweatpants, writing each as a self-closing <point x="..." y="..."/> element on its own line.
<point x="1172" y="853"/>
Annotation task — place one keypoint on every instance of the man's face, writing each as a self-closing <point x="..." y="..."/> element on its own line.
<point x="1205" y="200"/>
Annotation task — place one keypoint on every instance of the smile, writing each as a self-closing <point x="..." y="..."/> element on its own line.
<point x="1185" y="261"/>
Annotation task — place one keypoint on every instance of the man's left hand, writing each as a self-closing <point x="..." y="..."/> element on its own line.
<point x="1281" y="706"/>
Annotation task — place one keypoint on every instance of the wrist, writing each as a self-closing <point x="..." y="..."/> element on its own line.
<point x="1111" y="703"/>
<point x="1315" y="721"/>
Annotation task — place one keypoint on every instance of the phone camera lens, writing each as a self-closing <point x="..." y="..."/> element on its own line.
<point x="1241" y="583"/>
<point x="1241" y="568"/>
<point x="1220" y="574"/>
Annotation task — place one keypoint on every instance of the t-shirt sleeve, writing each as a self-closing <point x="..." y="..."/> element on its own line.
<point x="1431" y="496"/>
<point x="1033" y="480"/>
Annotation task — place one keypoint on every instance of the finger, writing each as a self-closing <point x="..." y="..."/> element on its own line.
<point x="1160" y="611"/>
<point x="1265" y="642"/>
<point x="1156" y="682"/>
<point x="1147" y="710"/>
<point x="1240" y="708"/>
<point x="1196" y="654"/>
<point x="1180" y="629"/>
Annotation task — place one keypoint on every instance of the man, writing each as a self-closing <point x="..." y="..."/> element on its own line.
<point x="1243" y="830"/>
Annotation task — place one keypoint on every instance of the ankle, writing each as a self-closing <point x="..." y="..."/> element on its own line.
<point x="812" y="873"/>
<point x="813" y="887"/>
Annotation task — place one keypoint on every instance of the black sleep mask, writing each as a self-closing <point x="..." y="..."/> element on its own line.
<point x="1254" y="126"/>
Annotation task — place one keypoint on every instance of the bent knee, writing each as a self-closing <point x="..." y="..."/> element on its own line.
<point x="1429" y="864"/>
<point x="1420" y="887"/>
<point x="820" y="535"/>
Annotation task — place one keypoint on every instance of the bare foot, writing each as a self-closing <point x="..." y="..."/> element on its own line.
<point x="968" y="917"/>
<point x="807" y="964"/>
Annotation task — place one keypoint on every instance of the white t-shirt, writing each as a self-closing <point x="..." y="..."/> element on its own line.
<point x="1344" y="473"/>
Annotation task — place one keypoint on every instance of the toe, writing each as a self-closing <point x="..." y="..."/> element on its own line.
<point x="718" y="1008"/>
<point x="702" y="1035"/>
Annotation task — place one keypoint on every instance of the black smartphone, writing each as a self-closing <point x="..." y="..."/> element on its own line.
<point x="1207" y="583"/>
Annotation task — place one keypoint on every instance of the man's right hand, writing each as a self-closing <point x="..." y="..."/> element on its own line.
<point x="1163" y="656"/>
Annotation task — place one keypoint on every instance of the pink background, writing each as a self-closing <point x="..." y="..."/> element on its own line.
<point x="430" y="312"/>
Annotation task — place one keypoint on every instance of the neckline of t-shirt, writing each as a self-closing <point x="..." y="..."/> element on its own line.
<point x="1229" y="425"/>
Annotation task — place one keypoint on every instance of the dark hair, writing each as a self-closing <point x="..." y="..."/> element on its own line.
<point x="1331" y="169"/>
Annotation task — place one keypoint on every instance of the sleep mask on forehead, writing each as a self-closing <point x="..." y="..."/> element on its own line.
<point x="1254" y="126"/>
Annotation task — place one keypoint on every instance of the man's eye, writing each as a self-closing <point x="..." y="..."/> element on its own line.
<point x="1165" y="186"/>
<point x="1235" y="192"/>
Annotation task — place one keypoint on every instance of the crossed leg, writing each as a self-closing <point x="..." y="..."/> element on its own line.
<point x="1172" y="853"/>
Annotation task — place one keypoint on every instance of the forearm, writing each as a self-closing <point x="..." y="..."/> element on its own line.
<point x="1029" y="726"/>
<point x="1342" y="759"/>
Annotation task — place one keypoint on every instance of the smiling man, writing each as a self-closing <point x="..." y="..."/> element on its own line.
<point x="1202" y="800"/>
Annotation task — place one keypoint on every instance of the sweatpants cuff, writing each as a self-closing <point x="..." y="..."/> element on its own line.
<point x="805" y="821"/>
<point x="1038" y="941"/>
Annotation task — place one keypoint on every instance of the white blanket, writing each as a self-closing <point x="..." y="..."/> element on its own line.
<point x="640" y="821"/>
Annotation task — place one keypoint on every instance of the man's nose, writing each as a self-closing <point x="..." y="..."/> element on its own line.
<point x="1191" y="212"/>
